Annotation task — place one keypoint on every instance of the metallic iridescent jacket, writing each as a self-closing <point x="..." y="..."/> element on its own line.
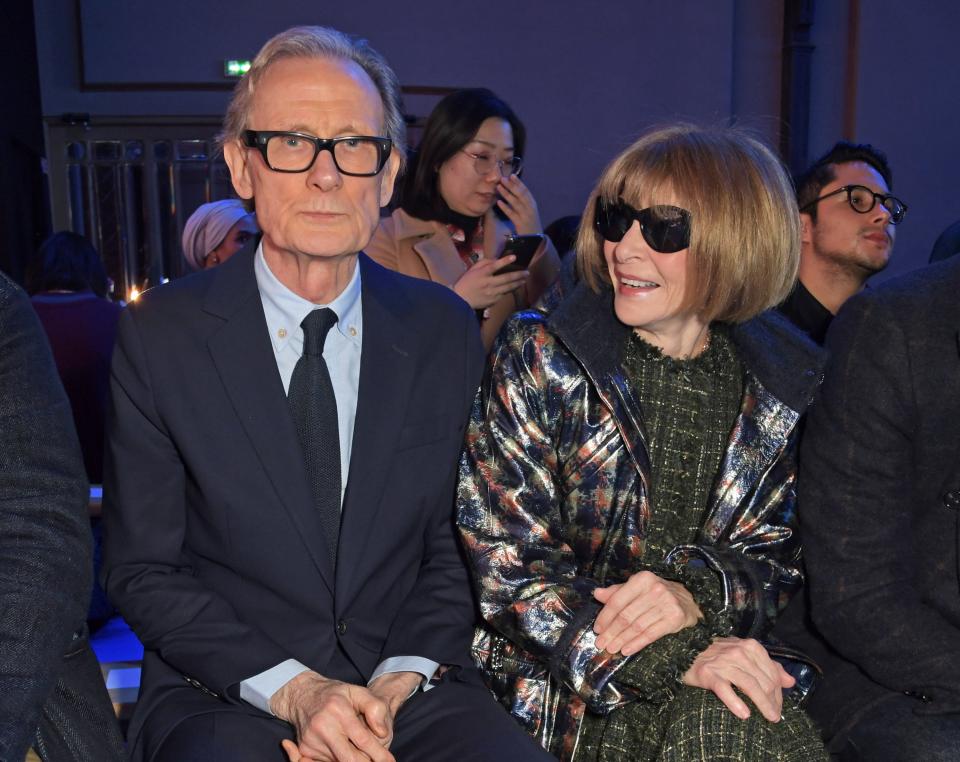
<point x="553" y="502"/>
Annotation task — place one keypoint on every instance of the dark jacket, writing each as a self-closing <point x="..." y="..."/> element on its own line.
<point x="52" y="695"/>
<point x="554" y="502"/>
<point x="880" y="489"/>
<point x="215" y="552"/>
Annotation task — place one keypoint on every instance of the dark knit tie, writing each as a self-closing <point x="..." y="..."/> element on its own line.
<point x="314" y="408"/>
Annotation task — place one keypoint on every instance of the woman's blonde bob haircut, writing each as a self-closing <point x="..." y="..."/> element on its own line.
<point x="745" y="231"/>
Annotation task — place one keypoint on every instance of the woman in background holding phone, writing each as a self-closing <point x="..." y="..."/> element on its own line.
<point x="446" y="229"/>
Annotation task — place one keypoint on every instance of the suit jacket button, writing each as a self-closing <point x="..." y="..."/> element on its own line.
<point x="341" y="627"/>
<point x="952" y="500"/>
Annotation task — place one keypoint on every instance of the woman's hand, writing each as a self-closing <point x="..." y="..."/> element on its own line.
<point x="744" y="664"/>
<point x="517" y="202"/>
<point x="481" y="285"/>
<point x="641" y="610"/>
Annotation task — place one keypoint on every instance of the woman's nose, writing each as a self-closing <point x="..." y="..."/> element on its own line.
<point x="632" y="245"/>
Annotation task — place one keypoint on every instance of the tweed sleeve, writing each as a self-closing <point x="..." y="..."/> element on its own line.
<point x="655" y="673"/>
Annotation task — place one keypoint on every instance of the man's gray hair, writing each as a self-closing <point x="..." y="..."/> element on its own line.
<point x="318" y="42"/>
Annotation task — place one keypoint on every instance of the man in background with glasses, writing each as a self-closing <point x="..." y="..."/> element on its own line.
<point x="848" y="217"/>
<point x="282" y="458"/>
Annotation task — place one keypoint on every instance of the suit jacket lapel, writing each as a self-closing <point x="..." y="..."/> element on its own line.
<point x="244" y="358"/>
<point x="386" y="374"/>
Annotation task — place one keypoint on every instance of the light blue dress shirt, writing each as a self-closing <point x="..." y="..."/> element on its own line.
<point x="284" y="311"/>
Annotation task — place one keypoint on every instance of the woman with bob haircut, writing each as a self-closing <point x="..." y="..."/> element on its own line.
<point x="446" y="229"/>
<point x="627" y="491"/>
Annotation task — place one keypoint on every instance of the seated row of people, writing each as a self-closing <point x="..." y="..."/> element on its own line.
<point x="281" y="535"/>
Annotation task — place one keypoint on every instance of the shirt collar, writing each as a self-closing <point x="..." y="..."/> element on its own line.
<point x="284" y="310"/>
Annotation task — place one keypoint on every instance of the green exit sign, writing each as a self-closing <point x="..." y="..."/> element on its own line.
<point x="235" y="67"/>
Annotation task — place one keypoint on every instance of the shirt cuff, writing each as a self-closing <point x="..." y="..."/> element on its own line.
<point x="423" y="667"/>
<point x="259" y="689"/>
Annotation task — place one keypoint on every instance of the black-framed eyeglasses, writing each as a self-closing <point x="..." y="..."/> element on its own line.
<point x="484" y="163"/>
<point x="666" y="229"/>
<point x="863" y="200"/>
<point x="354" y="155"/>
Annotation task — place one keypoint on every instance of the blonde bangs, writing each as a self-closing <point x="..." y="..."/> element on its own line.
<point x="640" y="176"/>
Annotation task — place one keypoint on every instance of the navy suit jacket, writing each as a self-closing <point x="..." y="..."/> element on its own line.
<point x="214" y="551"/>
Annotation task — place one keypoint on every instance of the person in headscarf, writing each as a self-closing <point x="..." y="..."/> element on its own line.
<point x="215" y="232"/>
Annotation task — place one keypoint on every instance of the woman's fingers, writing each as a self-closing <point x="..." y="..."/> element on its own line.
<point x="644" y="631"/>
<point x="602" y="594"/>
<point x="501" y="284"/>
<point x="518" y="204"/>
<point x="622" y="595"/>
<point x="641" y="610"/>
<point x="730" y="663"/>
<point x="726" y="693"/>
<point x="771" y="670"/>
<point x="766" y="696"/>
<point x="628" y="611"/>
<point x="786" y="679"/>
<point x="498" y="264"/>
<point x="481" y="285"/>
<point x="630" y="622"/>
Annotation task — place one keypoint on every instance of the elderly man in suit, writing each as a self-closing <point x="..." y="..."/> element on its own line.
<point x="880" y="506"/>
<point x="282" y="450"/>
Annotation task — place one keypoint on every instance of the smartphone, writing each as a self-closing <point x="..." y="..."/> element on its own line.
<point x="523" y="247"/>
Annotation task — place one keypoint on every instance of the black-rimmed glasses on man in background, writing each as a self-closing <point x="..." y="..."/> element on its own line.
<point x="666" y="229"/>
<point x="355" y="155"/>
<point x="484" y="163"/>
<point x="862" y="200"/>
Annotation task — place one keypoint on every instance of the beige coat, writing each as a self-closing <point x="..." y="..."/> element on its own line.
<point x="424" y="249"/>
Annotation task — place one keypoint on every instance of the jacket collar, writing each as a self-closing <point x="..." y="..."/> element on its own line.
<point x="586" y="323"/>
<point x="413" y="227"/>
<point x="232" y="283"/>
<point x="770" y="347"/>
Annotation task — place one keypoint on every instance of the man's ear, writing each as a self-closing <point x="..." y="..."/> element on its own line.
<point x="389" y="178"/>
<point x="236" y="158"/>
<point x="806" y="228"/>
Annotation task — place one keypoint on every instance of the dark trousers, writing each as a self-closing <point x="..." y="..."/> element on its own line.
<point x="893" y="732"/>
<point x="457" y="720"/>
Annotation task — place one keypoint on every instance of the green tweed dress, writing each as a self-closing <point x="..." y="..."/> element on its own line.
<point x="689" y="408"/>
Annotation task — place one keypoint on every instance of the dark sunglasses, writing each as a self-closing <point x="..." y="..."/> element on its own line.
<point x="666" y="229"/>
